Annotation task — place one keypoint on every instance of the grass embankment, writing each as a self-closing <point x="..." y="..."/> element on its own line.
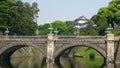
<point x="87" y="52"/>
<point x="90" y="63"/>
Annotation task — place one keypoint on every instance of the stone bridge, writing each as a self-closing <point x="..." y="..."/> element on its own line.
<point x="52" y="46"/>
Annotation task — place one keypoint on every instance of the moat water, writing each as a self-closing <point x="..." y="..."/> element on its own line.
<point x="65" y="62"/>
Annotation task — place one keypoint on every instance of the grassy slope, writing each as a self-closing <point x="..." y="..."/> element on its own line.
<point x="86" y="51"/>
<point x="91" y="63"/>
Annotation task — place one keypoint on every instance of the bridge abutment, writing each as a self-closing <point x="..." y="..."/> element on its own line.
<point x="50" y="48"/>
<point x="110" y="48"/>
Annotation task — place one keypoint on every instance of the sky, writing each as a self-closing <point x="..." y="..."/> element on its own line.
<point x="67" y="10"/>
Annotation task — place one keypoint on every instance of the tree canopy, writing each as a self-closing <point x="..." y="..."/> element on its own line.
<point x="21" y="18"/>
<point x="108" y="15"/>
<point x="18" y="16"/>
<point x="63" y="27"/>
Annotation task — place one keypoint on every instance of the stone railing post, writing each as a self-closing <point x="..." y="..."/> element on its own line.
<point x="50" y="48"/>
<point x="110" y="47"/>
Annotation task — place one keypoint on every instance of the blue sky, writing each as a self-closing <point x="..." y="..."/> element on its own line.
<point x="67" y="10"/>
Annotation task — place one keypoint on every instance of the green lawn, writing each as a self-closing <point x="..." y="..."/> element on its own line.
<point x="86" y="51"/>
<point x="90" y="63"/>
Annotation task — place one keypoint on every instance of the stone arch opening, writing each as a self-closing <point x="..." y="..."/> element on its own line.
<point x="59" y="52"/>
<point x="8" y="50"/>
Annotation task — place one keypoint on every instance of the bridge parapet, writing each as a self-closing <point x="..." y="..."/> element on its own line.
<point x="80" y="40"/>
<point x="22" y="37"/>
<point x="26" y="40"/>
<point x="95" y="39"/>
<point x="81" y="37"/>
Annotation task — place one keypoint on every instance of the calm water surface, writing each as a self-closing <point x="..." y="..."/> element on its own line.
<point x="33" y="62"/>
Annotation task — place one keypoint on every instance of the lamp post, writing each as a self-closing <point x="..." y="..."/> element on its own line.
<point x="109" y="29"/>
<point x="37" y="32"/>
<point x="7" y="32"/>
<point x="76" y="32"/>
<point x="56" y="31"/>
<point x="51" y="29"/>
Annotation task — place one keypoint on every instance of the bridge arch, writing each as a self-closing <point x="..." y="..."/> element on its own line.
<point x="9" y="49"/>
<point x="72" y="45"/>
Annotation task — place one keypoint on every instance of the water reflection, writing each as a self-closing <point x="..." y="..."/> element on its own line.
<point x="81" y="63"/>
<point x="5" y="63"/>
<point x="65" y="62"/>
<point x="26" y="62"/>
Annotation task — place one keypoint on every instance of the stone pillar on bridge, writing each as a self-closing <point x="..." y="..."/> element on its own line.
<point x="110" y="47"/>
<point x="50" y="48"/>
